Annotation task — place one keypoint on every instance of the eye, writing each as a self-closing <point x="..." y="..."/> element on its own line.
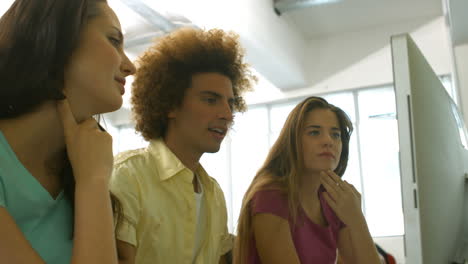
<point x="115" y="42"/>
<point x="313" y="132"/>
<point x="210" y="100"/>
<point x="336" y="135"/>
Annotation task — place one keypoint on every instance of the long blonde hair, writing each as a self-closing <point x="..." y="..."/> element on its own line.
<point x="282" y="165"/>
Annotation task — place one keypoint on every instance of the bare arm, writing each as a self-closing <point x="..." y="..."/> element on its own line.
<point x="355" y="244"/>
<point x="93" y="219"/>
<point x="90" y="152"/>
<point x="339" y="259"/>
<point x="126" y="252"/>
<point x="94" y="240"/>
<point x="14" y="248"/>
<point x="273" y="240"/>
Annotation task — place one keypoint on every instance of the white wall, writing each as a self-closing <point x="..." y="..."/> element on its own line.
<point x="362" y="59"/>
<point x="274" y="46"/>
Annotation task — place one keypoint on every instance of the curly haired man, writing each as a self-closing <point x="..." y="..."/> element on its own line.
<point x="187" y="88"/>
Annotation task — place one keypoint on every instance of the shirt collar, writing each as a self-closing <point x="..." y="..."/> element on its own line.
<point x="169" y="165"/>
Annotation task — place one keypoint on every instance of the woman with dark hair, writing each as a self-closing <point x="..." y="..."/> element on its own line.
<point x="297" y="209"/>
<point x="61" y="62"/>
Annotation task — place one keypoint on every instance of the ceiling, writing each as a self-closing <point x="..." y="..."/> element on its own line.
<point x="355" y="15"/>
<point x="143" y="20"/>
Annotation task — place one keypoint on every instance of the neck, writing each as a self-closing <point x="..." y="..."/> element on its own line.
<point x="36" y="138"/>
<point x="310" y="183"/>
<point x="183" y="152"/>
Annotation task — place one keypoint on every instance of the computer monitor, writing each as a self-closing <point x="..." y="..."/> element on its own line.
<point x="433" y="158"/>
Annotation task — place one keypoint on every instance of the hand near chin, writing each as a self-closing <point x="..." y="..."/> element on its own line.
<point x="343" y="198"/>
<point x="89" y="149"/>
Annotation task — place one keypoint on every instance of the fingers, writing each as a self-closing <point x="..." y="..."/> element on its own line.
<point x="330" y="201"/>
<point x="335" y="186"/>
<point x="330" y="185"/>
<point x="66" y="115"/>
<point x="68" y="119"/>
<point x="333" y="176"/>
<point x="354" y="190"/>
<point x="341" y="196"/>
<point x="90" y="123"/>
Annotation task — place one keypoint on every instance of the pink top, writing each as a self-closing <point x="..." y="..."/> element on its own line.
<point x="314" y="243"/>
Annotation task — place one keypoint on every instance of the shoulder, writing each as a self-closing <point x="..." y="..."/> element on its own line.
<point x="130" y="157"/>
<point x="208" y="181"/>
<point x="270" y="201"/>
<point x="270" y="195"/>
<point x="137" y="162"/>
<point x="127" y="169"/>
<point x="212" y="181"/>
<point x="212" y="184"/>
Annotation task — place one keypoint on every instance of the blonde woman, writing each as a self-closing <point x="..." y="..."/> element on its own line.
<point x="297" y="209"/>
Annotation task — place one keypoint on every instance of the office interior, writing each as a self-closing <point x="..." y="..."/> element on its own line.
<point x="338" y="49"/>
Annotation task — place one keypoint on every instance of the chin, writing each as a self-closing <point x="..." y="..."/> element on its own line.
<point x="213" y="149"/>
<point x="323" y="168"/>
<point x="111" y="106"/>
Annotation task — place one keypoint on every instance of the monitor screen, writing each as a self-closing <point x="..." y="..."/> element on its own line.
<point x="433" y="158"/>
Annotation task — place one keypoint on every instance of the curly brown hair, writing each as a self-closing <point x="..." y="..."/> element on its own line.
<point x="165" y="72"/>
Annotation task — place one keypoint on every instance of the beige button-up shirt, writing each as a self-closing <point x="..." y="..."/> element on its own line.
<point x="159" y="208"/>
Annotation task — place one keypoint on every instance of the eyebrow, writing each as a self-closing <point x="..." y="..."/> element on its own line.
<point x="217" y="95"/>
<point x="318" y="127"/>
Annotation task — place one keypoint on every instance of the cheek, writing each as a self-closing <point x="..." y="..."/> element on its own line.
<point x="188" y="120"/>
<point x="199" y="114"/>
<point x="339" y="148"/>
<point x="112" y="56"/>
<point x="83" y="80"/>
<point x="340" y="152"/>
<point x="105" y="63"/>
<point x="309" y="144"/>
<point x="308" y="150"/>
<point x="102" y="56"/>
<point x="93" y="67"/>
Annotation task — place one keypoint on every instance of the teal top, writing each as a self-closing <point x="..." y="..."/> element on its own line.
<point x="45" y="222"/>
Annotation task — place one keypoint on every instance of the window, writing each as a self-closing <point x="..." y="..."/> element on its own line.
<point x="249" y="147"/>
<point x="379" y="161"/>
<point x="373" y="166"/>
<point x="446" y="81"/>
<point x="461" y="126"/>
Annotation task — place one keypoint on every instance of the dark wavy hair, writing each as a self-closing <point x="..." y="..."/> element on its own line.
<point x="37" y="39"/>
<point x="165" y="72"/>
